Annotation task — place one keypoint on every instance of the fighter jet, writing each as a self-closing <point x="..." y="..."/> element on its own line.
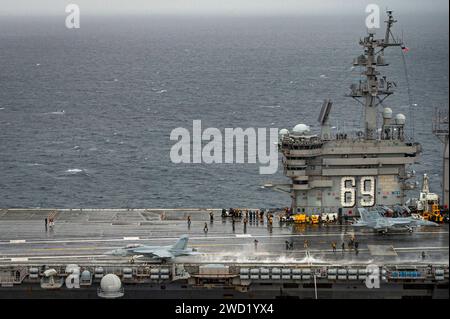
<point x="376" y="221"/>
<point x="162" y="253"/>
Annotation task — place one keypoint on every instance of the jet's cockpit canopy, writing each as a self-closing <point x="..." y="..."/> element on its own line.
<point x="133" y="245"/>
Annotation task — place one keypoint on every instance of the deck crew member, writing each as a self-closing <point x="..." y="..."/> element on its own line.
<point x="350" y="244"/>
<point x="333" y="245"/>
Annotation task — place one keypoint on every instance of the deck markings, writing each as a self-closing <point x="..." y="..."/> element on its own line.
<point x="268" y="253"/>
<point x="196" y="237"/>
<point x="131" y="238"/>
<point x="218" y="254"/>
<point x="22" y="259"/>
<point x="208" y="237"/>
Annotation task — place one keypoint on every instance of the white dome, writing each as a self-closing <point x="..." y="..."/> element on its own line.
<point x="284" y="131"/>
<point x="301" y="129"/>
<point x="50" y="272"/>
<point x="387" y="113"/>
<point x="110" y="283"/>
<point x="400" y="119"/>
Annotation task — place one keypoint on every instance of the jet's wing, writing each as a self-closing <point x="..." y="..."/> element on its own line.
<point x="360" y="223"/>
<point x="412" y="222"/>
<point x="192" y="253"/>
<point x="400" y="222"/>
<point x="160" y="253"/>
<point x="420" y="222"/>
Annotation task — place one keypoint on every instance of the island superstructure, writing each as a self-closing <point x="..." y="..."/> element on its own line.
<point x="338" y="172"/>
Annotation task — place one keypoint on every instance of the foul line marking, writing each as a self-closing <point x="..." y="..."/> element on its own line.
<point x="207" y="237"/>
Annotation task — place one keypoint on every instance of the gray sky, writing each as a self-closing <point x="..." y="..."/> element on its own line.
<point x="218" y="7"/>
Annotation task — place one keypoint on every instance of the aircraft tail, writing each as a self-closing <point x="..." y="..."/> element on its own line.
<point x="181" y="243"/>
<point x="369" y="216"/>
<point x="363" y="214"/>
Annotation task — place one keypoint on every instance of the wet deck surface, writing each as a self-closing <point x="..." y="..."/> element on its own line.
<point x="80" y="236"/>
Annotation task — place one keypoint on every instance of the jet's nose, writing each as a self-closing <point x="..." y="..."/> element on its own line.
<point x="111" y="252"/>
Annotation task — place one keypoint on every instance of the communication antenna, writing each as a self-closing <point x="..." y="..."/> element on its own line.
<point x="323" y="119"/>
<point x="325" y="111"/>
<point x="408" y="88"/>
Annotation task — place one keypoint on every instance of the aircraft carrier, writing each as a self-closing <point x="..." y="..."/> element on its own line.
<point x="333" y="172"/>
<point x="38" y="263"/>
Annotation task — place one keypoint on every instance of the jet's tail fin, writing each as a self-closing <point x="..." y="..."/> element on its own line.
<point x="181" y="243"/>
<point x="369" y="216"/>
<point x="362" y="214"/>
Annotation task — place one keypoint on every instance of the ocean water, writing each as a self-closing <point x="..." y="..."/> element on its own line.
<point x="86" y="115"/>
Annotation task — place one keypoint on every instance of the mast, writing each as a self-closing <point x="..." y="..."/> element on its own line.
<point x="372" y="91"/>
<point x="390" y="22"/>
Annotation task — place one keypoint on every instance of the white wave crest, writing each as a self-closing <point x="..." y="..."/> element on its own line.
<point x="74" y="170"/>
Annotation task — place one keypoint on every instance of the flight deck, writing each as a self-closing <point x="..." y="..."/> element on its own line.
<point x="248" y="258"/>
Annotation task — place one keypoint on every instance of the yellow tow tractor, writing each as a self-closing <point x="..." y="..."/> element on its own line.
<point x="435" y="214"/>
<point x="304" y="219"/>
<point x="314" y="219"/>
<point x="300" y="218"/>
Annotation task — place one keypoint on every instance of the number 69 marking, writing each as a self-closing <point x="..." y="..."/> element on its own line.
<point x="367" y="191"/>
